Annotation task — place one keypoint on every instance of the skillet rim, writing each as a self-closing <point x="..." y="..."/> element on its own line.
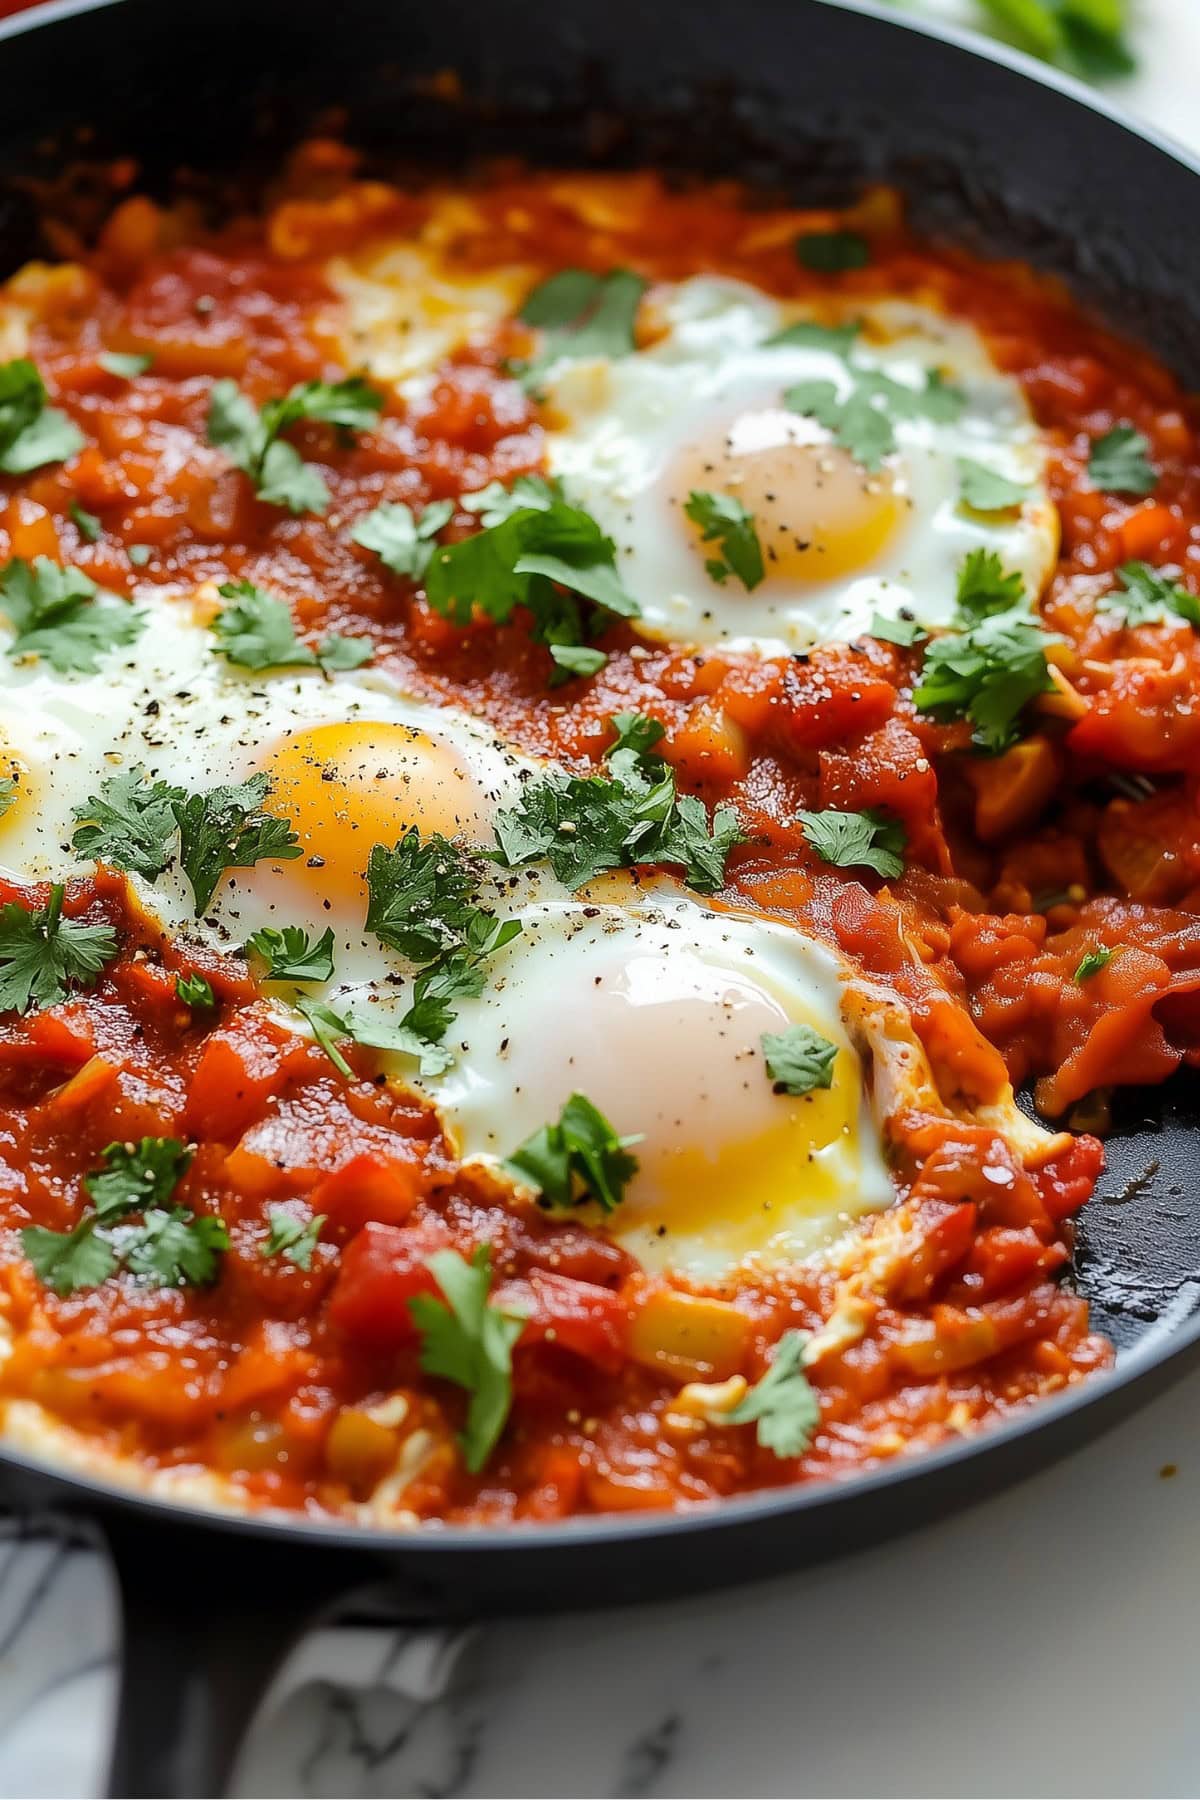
<point x="1163" y="1344"/>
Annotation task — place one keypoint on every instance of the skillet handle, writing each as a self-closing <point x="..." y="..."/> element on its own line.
<point x="208" y="1617"/>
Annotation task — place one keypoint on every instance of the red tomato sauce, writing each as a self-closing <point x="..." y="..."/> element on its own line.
<point x="1017" y="866"/>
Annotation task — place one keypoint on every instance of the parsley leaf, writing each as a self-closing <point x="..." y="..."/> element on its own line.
<point x="783" y="1404"/>
<point x="799" y="1059"/>
<point x="579" y="1158"/>
<point x="1117" y="462"/>
<point x="526" y="559"/>
<point x="985" y="490"/>
<point x="327" y="1027"/>
<point x="291" y="956"/>
<point x="403" y="542"/>
<point x="87" y="524"/>
<point x="585" y="824"/>
<point x="1091" y="962"/>
<point x="256" y="633"/>
<point x="129" y="824"/>
<point x="1146" y="595"/>
<point x="135" y="1176"/>
<point x="832" y="252"/>
<point x="194" y="990"/>
<point x="125" y="364"/>
<point x="581" y="314"/>
<point x="226" y="829"/>
<point x="856" y="840"/>
<point x="290" y="1238"/>
<point x="43" y="956"/>
<point x="469" y="1342"/>
<point x="53" y="612"/>
<point x="722" y="518"/>
<point x="902" y="631"/>
<point x="252" y="438"/>
<point x="65" y="1261"/>
<point x="31" y="433"/>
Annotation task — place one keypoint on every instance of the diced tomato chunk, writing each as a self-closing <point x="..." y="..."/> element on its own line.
<point x="369" y="1189"/>
<point x="592" y="1321"/>
<point x="382" y="1269"/>
<point x="235" y="1077"/>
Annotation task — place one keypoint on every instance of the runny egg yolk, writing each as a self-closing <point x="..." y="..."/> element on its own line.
<point x="347" y="786"/>
<point x="818" y="514"/>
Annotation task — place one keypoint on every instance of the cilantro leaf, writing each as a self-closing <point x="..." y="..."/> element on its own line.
<point x="225" y="828"/>
<point x="43" y="955"/>
<point x="135" y="1176"/>
<point x="421" y="895"/>
<point x="984" y="588"/>
<point x="581" y="315"/>
<point x="87" y="524"/>
<point x="902" y="631"/>
<point x="54" y="613"/>
<point x="129" y="824"/>
<point x="256" y="633"/>
<point x="579" y="1158"/>
<point x="635" y="732"/>
<point x="783" y="1404"/>
<point x="798" y="1059"/>
<point x="469" y="1342"/>
<point x="194" y="990"/>
<point x="526" y="559"/>
<point x="403" y="542"/>
<point x="495" y="502"/>
<point x="253" y="442"/>
<point x="31" y="432"/>
<point x="291" y="956"/>
<point x="1146" y="595"/>
<point x="1091" y="963"/>
<point x="724" y="520"/>
<point x="856" y="840"/>
<point x="806" y="333"/>
<point x="1086" y="37"/>
<point x="291" y="1238"/>
<point x="176" y="1248"/>
<point x="985" y="490"/>
<point x="125" y="364"/>
<point x="832" y="252"/>
<point x="578" y="659"/>
<point x="1117" y="462"/>
<point x="862" y="422"/>
<point x="8" y="793"/>
<point x="328" y="1027"/>
<point x="988" y="674"/>
<point x="66" y="1261"/>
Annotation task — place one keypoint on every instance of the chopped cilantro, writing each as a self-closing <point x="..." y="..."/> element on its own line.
<point x="832" y="252"/>
<point x="724" y="520"/>
<point x="799" y="1059"/>
<point x="469" y="1342"/>
<point x="495" y="502"/>
<point x="1092" y="961"/>
<point x="65" y="1261"/>
<point x="862" y="422"/>
<point x="291" y="956"/>
<point x="806" y="333"/>
<point x="580" y="314"/>
<point x="1086" y="37"/>
<point x="421" y="895"/>
<point x="327" y="1027"/>
<point x="635" y="732"/>
<point x="125" y="364"/>
<point x="31" y="432"/>
<point x="55" y="614"/>
<point x="1117" y="462"/>
<point x="225" y="828"/>
<point x="87" y="524"/>
<point x="177" y="1248"/>
<point x="902" y="631"/>
<point x="985" y="490"/>
<point x="256" y="632"/>
<point x="253" y="441"/>
<point x="403" y="542"/>
<point x="8" y="793"/>
<point x="988" y="674"/>
<point x="579" y="1158"/>
<point x="783" y="1404"/>
<point x="1146" y="595"/>
<point x="129" y="824"/>
<point x="578" y="659"/>
<point x="984" y="588"/>
<point x="856" y="840"/>
<point x="44" y="955"/>
<point x="194" y="990"/>
<point x="134" y="1176"/>
<point x="291" y="1238"/>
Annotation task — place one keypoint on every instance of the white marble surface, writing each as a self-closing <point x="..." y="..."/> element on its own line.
<point x="1047" y="1642"/>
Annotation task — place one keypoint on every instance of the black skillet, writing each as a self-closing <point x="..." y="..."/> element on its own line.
<point x="814" y="97"/>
